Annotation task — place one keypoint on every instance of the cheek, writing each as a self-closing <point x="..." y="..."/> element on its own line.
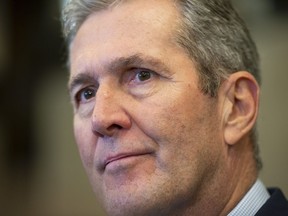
<point x="167" y="120"/>
<point x="183" y="124"/>
<point x="85" y="141"/>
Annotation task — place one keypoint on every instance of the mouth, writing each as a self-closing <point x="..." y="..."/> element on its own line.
<point x="123" y="159"/>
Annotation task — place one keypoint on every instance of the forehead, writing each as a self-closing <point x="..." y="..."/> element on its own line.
<point x="132" y="13"/>
<point x="128" y="25"/>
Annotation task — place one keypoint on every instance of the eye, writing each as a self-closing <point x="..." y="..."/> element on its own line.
<point x="143" y="75"/>
<point x="85" y="95"/>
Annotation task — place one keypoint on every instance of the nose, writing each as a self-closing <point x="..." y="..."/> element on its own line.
<point x="109" y="115"/>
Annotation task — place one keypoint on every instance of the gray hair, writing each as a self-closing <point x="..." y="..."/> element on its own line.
<point x="210" y="31"/>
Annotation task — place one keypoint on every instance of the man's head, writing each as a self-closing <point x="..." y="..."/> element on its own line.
<point x="164" y="107"/>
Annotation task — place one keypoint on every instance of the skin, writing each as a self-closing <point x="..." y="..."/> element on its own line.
<point x="151" y="142"/>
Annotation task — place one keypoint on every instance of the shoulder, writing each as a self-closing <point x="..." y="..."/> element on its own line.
<point x="276" y="205"/>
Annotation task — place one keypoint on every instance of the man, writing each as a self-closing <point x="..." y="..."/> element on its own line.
<point x="165" y="95"/>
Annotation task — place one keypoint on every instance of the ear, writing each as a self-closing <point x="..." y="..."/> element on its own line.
<point x="240" y="106"/>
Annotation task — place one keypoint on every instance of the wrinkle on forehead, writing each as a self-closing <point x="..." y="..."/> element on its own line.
<point x="158" y="17"/>
<point x="156" y="24"/>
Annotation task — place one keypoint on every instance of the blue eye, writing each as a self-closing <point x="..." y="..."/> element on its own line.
<point x="85" y="95"/>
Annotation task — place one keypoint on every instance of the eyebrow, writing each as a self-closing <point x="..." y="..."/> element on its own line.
<point x="118" y="64"/>
<point x="79" y="79"/>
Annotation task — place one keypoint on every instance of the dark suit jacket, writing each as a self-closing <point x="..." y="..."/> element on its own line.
<point x="276" y="205"/>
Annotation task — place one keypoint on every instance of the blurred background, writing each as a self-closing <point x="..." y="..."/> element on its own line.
<point x="40" y="170"/>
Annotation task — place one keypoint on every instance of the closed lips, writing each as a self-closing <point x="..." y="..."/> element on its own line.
<point x="123" y="156"/>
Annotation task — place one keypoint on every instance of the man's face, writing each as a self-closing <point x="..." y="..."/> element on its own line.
<point x="149" y="140"/>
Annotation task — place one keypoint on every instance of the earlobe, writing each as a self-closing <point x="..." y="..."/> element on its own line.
<point x="241" y="106"/>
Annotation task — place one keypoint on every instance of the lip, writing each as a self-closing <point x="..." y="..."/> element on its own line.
<point x="118" y="157"/>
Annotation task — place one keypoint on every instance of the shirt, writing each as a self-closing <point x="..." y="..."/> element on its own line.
<point x="252" y="201"/>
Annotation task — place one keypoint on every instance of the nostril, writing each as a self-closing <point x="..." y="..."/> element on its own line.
<point x="107" y="119"/>
<point x="107" y="132"/>
<point x="113" y="127"/>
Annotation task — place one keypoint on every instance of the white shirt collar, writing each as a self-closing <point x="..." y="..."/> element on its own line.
<point x="252" y="201"/>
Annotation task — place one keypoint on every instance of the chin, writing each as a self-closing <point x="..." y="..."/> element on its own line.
<point x="134" y="198"/>
<point x="130" y="206"/>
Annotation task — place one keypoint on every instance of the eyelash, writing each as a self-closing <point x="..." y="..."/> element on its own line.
<point x="79" y="96"/>
<point x="134" y="79"/>
<point x="145" y="72"/>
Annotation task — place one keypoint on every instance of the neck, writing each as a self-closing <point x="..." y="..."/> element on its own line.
<point x="229" y="185"/>
<point x="225" y="187"/>
<point x="244" y="175"/>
